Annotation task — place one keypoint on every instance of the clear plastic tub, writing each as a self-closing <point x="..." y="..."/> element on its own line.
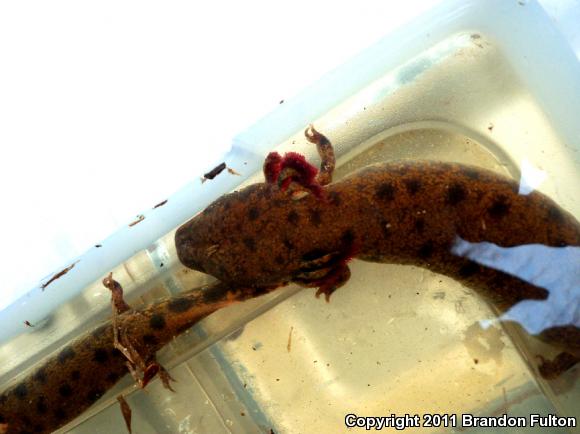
<point x="489" y="83"/>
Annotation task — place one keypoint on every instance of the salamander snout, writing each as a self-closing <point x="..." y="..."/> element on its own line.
<point x="191" y="244"/>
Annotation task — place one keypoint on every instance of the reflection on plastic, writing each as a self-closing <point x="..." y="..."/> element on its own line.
<point x="531" y="177"/>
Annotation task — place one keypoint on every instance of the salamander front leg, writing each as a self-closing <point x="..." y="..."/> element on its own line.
<point x="293" y="169"/>
<point x="332" y="281"/>
<point x="326" y="280"/>
<point x="326" y="152"/>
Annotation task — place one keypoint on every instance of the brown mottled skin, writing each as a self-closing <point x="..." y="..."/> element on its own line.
<point x="403" y="212"/>
<point x="72" y="380"/>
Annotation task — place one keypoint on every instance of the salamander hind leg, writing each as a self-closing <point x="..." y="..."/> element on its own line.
<point x="142" y="368"/>
<point x="551" y="369"/>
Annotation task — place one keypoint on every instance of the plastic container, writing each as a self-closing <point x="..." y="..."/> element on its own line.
<point x="488" y="82"/>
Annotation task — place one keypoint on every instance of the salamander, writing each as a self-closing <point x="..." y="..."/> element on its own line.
<point x="73" y="379"/>
<point x="299" y="227"/>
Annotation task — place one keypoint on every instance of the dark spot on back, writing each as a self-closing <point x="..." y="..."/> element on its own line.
<point x="2" y="419"/>
<point x="157" y="322"/>
<point x="180" y="304"/>
<point x="66" y="354"/>
<point x="293" y="217"/>
<point x="334" y="198"/>
<point x="277" y="203"/>
<point x="468" y="269"/>
<point x="250" y="243"/>
<point x="26" y="420"/>
<point x="38" y="428"/>
<point x="279" y="259"/>
<point x="314" y="254"/>
<point x="112" y="377"/>
<point x="413" y="185"/>
<point x="315" y="217"/>
<point x="253" y="213"/>
<point x="41" y="406"/>
<point x="40" y="375"/>
<point x="100" y="355"/>
<point x="21" y="391"/>
<point x="347" y="238"/>
<point x="149" y="339"/>
<point x="288" y="244"/>
<point x="500" y="207"/>
<point x="456" y="193"/>
<point x="266" y="193"/>
<point x="75" y="375"/>
<point x="386" y="191"/>
<point x="94" y="394"/>
<point x="115" y="353"/>
<point x="555" y="214"/>
<point x="221" y="270"/>
<point x="59" y="414"/>
<point x="65" y="390"/>
<point x="426" y="250"/>
<point x="420" y="225"/>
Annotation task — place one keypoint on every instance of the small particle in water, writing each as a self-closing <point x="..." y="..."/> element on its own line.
<point x="58" y="275"/>
<point x="160" y="204"/>
<point x="289" y="345"/>
<point x="214" y="172"/>
<point x="139" y="219"/>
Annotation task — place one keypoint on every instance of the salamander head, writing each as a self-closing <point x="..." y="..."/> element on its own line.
<point x="232" y="239"/>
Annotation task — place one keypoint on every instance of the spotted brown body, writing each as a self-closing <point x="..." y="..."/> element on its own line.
<point x="78" y="375"/>
<point x="292" y="229"/>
